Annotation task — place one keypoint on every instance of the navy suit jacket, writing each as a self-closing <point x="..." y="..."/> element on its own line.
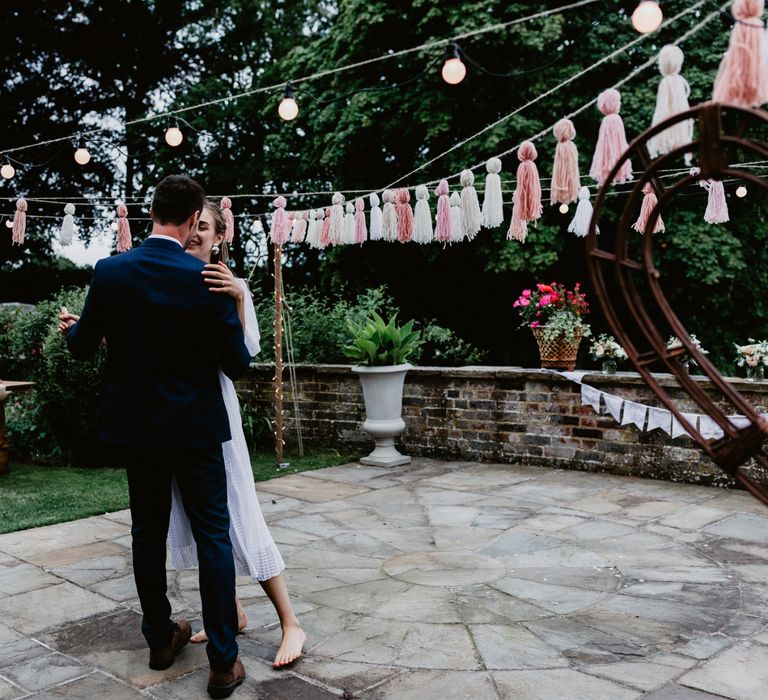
<point x="167" y="337"/>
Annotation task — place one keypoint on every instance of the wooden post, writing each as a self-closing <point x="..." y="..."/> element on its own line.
<point x="279" y="441"/>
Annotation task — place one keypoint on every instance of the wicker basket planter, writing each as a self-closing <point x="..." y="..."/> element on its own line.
<point x="557" y="352"/>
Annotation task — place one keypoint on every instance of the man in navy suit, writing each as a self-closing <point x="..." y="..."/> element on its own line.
<point x="162" y="409"/>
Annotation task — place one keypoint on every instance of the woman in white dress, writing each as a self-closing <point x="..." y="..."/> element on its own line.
<point x="254" y="550"/>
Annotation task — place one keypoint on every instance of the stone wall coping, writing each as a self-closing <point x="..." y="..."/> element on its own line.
<point x="533" y="374"/>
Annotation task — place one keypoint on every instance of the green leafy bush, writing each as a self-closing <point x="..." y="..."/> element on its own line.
<point x="55" y="422"/>
<point x="377" y="342"/>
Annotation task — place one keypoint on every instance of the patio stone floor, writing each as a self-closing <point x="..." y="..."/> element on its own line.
<point x="432" y="581"/>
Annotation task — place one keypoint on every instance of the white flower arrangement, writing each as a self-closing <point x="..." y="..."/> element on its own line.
<point x="605" y="347"/>
<point x="753" y="354"/>
<point x="675" y="342"/>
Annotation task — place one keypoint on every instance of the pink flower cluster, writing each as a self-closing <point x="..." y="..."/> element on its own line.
<point x="535" y="305"/>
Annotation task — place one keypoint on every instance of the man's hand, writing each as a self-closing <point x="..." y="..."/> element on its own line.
<point x="66" y="320"/>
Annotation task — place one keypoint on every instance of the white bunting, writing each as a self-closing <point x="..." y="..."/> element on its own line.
<point x="591" y="397"/>
<point x="659" y="418"/>
<point x="635" y="414"/>
<point x="677" y="426"/>
<point x="709" y="429"/>
<point x="613" y="405"/>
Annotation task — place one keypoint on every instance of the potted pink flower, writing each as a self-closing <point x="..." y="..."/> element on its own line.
<point x="555" y="314"/>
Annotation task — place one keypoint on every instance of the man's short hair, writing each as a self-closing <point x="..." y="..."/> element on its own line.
<point x="176" y="198"/>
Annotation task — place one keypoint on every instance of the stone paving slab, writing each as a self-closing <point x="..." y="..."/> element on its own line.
<point x="430" y="581"/>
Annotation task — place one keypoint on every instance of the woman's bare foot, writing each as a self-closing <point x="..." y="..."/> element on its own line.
<point x="291" y="646"/>
<point x="242" y="623"/>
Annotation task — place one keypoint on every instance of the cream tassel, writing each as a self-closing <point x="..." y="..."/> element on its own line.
<point x="471" y="215"/>
<point x="493" y="201"/>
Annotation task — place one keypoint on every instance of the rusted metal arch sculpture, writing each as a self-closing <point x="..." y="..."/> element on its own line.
<point x="643" y="341"/>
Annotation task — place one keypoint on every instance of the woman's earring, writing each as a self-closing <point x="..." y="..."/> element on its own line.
<point x="215" y="250"/>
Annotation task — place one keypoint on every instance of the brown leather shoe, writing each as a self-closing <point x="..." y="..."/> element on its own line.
<point x="160" y="659"/>
<point x="221" y="684"/>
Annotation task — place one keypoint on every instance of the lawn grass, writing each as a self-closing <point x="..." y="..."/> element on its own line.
<point x="31" y="496"/>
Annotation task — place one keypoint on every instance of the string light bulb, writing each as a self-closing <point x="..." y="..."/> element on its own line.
<point x="82" y="156"/>
<point x="563" y="208"/>
<point x="173" y="135"/>
<point x="7" y="171"/>
<point x="647" y="16"/>
<point x="288" y="108"/>
<point x="9" y="223"/>
<point x="454" y="70"/>
<point x="741" y="191"/>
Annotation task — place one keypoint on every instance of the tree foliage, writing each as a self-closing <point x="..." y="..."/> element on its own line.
<point x="71" y="63"/>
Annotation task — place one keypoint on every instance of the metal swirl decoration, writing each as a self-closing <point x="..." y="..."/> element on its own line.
<point x="629" y="285"/>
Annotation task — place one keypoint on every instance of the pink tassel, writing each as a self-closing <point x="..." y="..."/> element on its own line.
<point x="229" y="220"/>
<point x="565" y="171"/>
<point x="361" y="231"/>
<point x="518" y="230"/>
<point x="717" y="206"/>
<point x="611" y="141"/>
<point x="443" y="231"/>
<point x="19" y="222"/>
<point x="649" y="203"/>
<point x="325" y="235"/>
<point x="124" y="241"/>
<point x="300" y="226"/>
<point x="280" y="224"/>
<point x="404" y="216"/>
<point x="527" y="196"/>
<point x="742" y="78"/>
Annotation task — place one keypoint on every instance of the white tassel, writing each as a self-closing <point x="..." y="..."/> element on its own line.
<point x="389" y="213"/>
<point x="580" y="223"/>
<point x="311" y="237"/>
<point x="422" y="218"/>
<point x="457" y="220"/>
<point x="493" y="202"/>
<point x="671" y="99"/>
<point x="376" y="228"/>
<point x="471" y="215"/>
<point x="68" y="225"/>
<point x="337" y="218"/>
<point x="348" y="227"/>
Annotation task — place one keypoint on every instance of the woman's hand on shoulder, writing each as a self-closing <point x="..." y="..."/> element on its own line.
<point x="220" y="278"/>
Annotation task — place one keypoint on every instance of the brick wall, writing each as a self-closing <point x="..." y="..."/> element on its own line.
<point x="495" y="414"/>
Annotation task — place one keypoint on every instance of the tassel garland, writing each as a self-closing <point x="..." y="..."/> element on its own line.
<point x="583" y="215"/>
<point x="361" y="233"/>
<point x="493" y="201"/>
<point x="443" y="223"/>
<point x="457" y="218"/>
<point x="377" y="219"/>
<point x="646" y="208"/>
<point x="742" y="78"/>
<point x="471" y="215"/>
<point x="280" y="228"/>
<point x="124" y="241"/>
<point x="389" y="213"/>
<point x="611" y="141"/>
<point x="565" y="171"/>
<point x="337" y="218"/>
<point x="671" y="99"/>
<point x="19" y="222"/>
<point x="68" y="225"/>
<point x="229" y="220"/>
<point x="422" y="219"/>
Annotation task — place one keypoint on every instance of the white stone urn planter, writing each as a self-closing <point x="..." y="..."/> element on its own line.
<point x="383" y="394"/>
